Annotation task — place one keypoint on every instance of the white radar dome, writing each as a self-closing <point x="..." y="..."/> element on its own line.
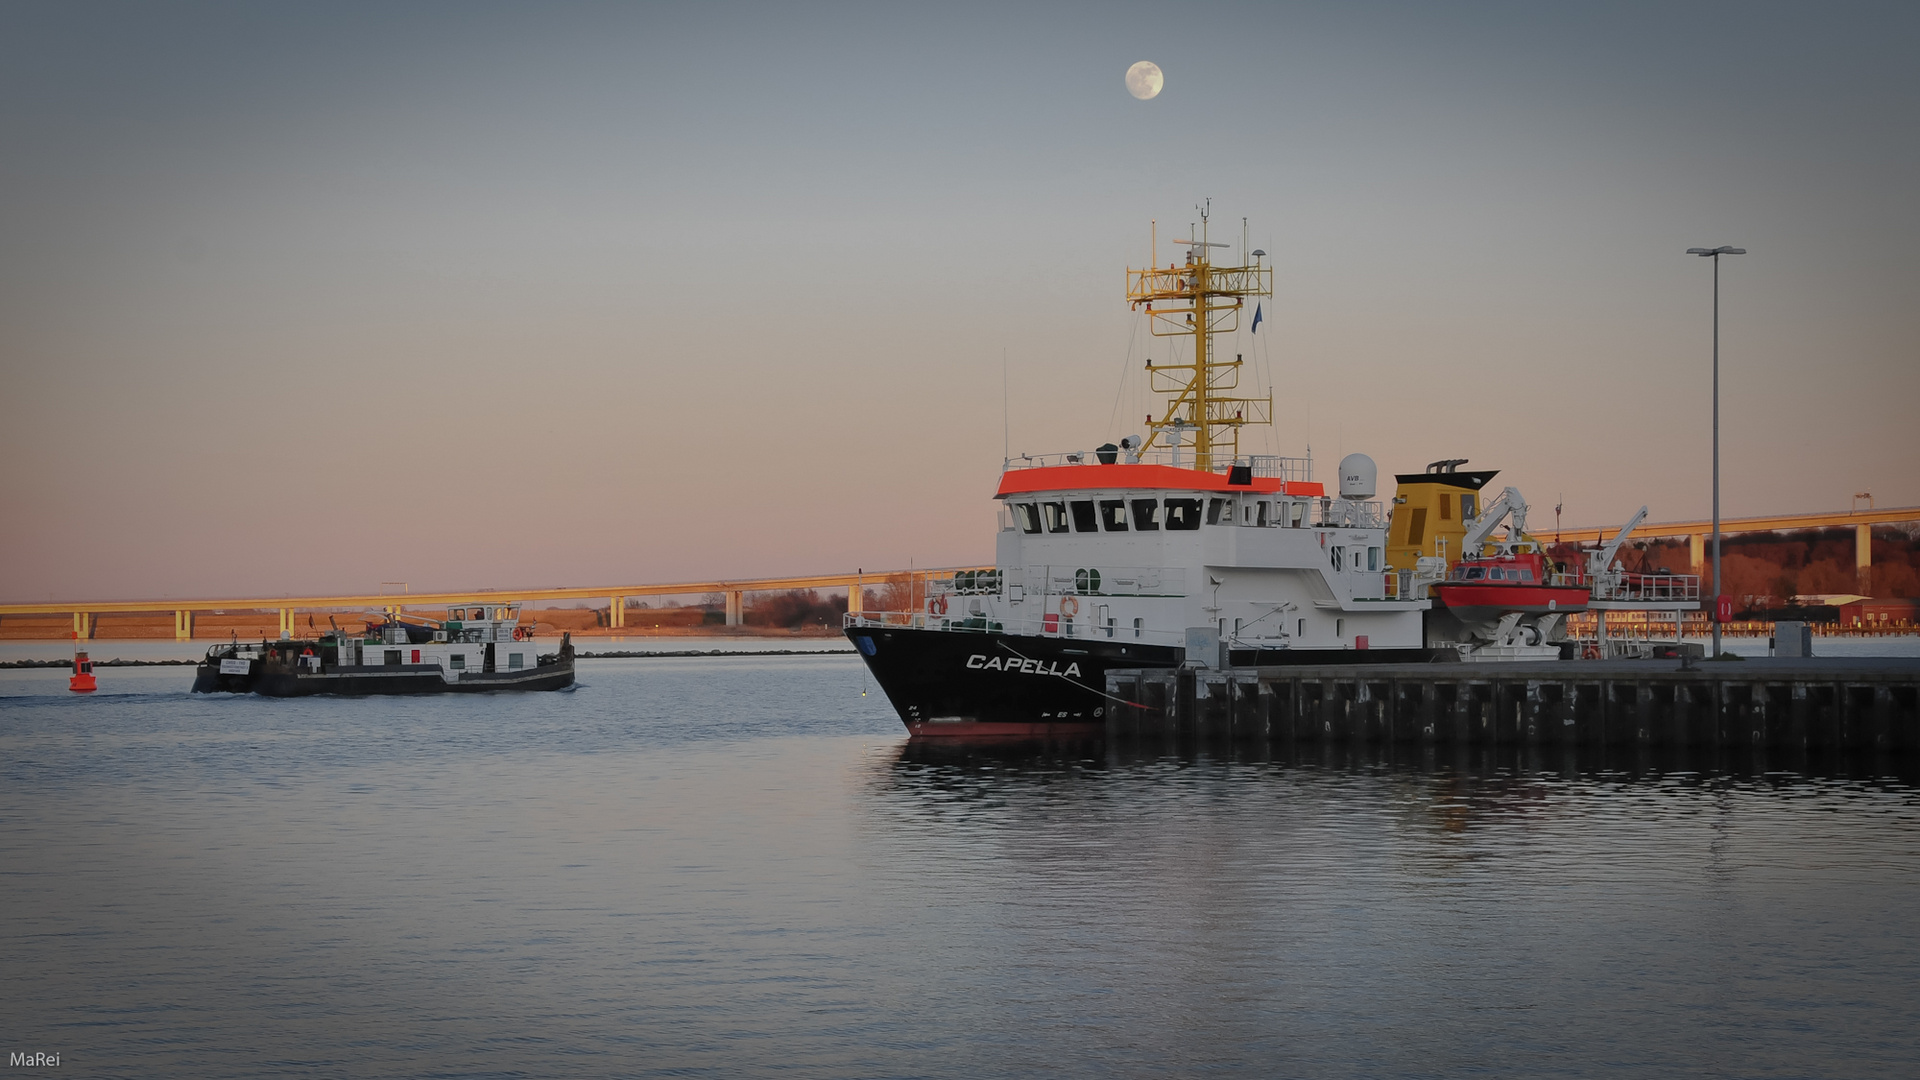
<point x="1357" y="476"/>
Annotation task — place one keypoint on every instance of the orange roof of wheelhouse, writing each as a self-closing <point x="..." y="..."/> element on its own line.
<point x="1141" y="476"/>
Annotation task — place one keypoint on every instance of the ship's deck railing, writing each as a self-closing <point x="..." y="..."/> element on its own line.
<point x="1292" y="469"/>
<point x="1648" y="588"/>
<point x="1051" y="624"/>
<point x="1345" y="514"/>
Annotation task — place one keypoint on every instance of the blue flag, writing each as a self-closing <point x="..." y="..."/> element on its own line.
<point x="1256" y="319"/>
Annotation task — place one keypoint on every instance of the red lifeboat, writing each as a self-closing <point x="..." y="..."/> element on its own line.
<point x="82" y="681"/>
<point x="1487" y="588"/>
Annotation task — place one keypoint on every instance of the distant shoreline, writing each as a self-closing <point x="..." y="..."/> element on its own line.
<point x="211" y="626"/>
<point x="116" y="662"/>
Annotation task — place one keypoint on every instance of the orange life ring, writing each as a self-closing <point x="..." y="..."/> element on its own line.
<point x="1069" y="606"/>
<point x="519" y="633"/>
<point x="937" y="605"/>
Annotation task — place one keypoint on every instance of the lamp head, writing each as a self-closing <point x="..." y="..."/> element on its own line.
<point x="1721" y="250"/>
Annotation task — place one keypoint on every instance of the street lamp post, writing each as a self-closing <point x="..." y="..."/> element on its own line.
<point x="1714" y="254"/>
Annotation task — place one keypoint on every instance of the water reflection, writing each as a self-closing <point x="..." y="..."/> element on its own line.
<point x="739" y="867"/>
<point x="1375" y="912"/>
<point x="1658" y="764"/>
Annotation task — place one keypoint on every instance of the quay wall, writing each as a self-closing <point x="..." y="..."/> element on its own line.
<point x="1772" y="703"/>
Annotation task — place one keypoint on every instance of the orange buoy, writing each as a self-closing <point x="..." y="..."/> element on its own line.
<point x="82" y="681"/>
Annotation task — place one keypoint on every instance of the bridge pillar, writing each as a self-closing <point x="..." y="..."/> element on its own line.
<point x="617" y="616"/>
<point x="1863" y="558"/>
<point x="735" y="600"/>
<point x="854" y="599"/>
<point x="1697" y="551"/>
<point x="183" y="626"/>
<point x="83" y="624"/>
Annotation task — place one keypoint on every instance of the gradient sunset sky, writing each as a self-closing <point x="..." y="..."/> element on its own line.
<point x="300" y="298"/>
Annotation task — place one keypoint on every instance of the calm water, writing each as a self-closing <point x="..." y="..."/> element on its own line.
<point x="728" y="867"/>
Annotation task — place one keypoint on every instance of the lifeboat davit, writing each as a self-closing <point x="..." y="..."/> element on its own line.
<point x="1488" y="588"/>
<point x="82" y="681"/>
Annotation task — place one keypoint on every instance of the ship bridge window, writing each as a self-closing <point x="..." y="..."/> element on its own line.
<point x="1113" y="514"/>
<point x="1183" y="514"/>
<point x="1084" y="518"/>
<point x="1475" y="573"/>
<point x="1214" y="507"/>
<point x="1334" y="553"/>
<point x="1028" y="516"/>
<point x="1146" y="514"/>
<point x="1055" y="514"/>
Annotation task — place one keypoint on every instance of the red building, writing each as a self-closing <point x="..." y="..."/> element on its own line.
<point x="1865" y="613"/>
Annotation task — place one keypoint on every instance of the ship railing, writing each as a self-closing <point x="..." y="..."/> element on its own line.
<point x="1086" y="625"/>
<point x="1270" y="466"/>
<point x="1350" y="514"/>
<point x="1623" y="587"/>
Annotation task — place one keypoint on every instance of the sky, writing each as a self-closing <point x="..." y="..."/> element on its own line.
<point x="302" y="298"/>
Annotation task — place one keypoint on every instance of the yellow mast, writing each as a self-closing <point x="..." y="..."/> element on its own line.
<point x="1201" y="300"/>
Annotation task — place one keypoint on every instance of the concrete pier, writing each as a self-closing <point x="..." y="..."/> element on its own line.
<point x="1786" y="704"/>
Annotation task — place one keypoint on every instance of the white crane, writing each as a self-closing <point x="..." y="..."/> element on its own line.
<point x="1607" y="577"/>
<point x="1600" y="560"/>
<point x="1510" y="502"/>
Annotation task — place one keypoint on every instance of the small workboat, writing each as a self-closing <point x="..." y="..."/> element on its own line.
<point x="1487" y="587"/>
<point x="475" y="648"/>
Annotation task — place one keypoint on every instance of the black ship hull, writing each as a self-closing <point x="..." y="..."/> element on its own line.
<point x="955" y="683"/>
<point x="369" y="680"/>
<point x="965" y="683"/>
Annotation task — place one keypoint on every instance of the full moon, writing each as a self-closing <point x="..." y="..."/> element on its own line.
<point x="1143" y="79"/>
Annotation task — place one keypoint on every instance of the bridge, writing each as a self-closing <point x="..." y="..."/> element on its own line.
<point x="85" y="612"/>
<point x="1697" y="532"/>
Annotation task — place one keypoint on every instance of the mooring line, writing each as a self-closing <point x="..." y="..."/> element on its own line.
<point x="1003" y="644"/>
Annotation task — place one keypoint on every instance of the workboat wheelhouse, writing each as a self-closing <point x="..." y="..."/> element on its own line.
<point x="1157" y="551"/>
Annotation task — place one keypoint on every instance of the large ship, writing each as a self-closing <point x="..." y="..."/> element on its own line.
<point x="1156" y="551"/>
<point x="476" y="648"/>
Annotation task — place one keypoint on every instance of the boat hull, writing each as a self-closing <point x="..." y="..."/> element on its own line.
<point x="1489" y="601"/>
<point x="376" y="680"/>
<point x="971" y="684"/>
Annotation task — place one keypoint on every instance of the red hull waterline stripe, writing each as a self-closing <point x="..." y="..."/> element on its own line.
<point x="1146" y="477"/>
<point x="975" y="729"/>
